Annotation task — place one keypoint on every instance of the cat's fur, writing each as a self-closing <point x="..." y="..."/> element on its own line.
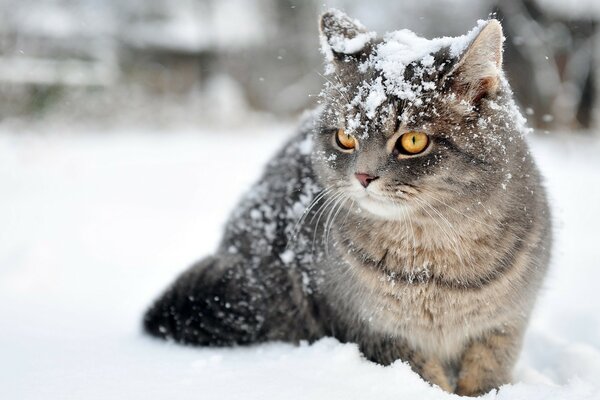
<point x="436" y="263"/>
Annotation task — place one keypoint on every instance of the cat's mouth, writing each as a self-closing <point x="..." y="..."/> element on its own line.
<point x="379" y="205"/>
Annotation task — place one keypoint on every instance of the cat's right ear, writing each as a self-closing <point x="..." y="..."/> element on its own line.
<point x="342" y="36"/>
<point x="478" y="71"/>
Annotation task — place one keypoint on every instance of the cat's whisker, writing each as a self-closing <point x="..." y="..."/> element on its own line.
<point x="298" y="225"/>
<point x="452" y="239"/>
<point x="321" y="212"/>
<point x="348" y="213"/>
<point x="339" y="205"/>
<point x="458" y="237"/>
<point x="408" y="189"/>
<point x="312" y="204"/>
<point x="341" y="202"/>
<point x="326" y="203"/>
<point x="324" y="236"/>
<point x="412" y="230"/>
<point x="406" y="217"/>
<point x="330" y="201"/>
<point x="327" y="219"/>
<point x="459" y="212"/>
<point x="335" y="86"/>
<point x="474" y="203"/>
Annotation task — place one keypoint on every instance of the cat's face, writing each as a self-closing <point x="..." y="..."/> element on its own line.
<point x="405" y="128"/>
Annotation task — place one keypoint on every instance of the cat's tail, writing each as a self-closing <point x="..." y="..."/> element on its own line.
<point x="205" y="306"/>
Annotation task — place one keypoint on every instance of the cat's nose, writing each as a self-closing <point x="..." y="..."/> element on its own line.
<point x="365" y="179"/>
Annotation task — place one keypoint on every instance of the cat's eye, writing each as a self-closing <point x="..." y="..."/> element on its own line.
<point x="344" y="140"/>
<point x="412" y="143"/>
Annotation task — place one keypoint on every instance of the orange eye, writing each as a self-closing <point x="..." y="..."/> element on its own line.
<point x="412" y="143"/>
<point x="345" y="141"/>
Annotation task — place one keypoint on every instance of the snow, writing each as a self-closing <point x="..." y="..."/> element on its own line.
<point x="375" y="98"/>
<point x="403" y="47"/>
<point x="345" y="45"/>
<point x="351" y="46"/>
<point x="287" y="256"/>
<point x="390" y="58"/>
<point x="305" y="147"/>
<point x="95" y="225"/>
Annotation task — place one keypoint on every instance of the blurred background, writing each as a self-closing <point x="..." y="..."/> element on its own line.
<point x="171" y="62"/>
<point x="130" y="128"/>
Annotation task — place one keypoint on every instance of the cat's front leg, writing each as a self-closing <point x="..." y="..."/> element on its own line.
<point x="386" y="351"/>
<point x="432" y="370"/>
<point x="487" y="362"/>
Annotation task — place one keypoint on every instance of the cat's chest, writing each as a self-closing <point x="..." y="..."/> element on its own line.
<point x="426" y="295"/>
<point x="433" y="319"/>
<point x="411" y="261"/>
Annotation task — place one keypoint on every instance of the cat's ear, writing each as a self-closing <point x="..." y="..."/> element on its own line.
<point x="477" y="73"/>
<point x="342" y="35"/>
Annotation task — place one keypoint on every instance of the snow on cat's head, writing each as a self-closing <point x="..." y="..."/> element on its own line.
<point x="404" y="115"/>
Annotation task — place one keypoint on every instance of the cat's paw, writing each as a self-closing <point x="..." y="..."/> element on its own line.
<point x="471" y="386"/>
<point x="478" y="378"/>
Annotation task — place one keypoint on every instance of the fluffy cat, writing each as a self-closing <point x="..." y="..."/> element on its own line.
<point x="407" y="216"/>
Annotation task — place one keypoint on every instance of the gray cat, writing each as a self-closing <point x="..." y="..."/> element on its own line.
<point x="406" y="216"/>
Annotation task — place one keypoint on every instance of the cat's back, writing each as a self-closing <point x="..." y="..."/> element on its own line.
<point x="266" y="215"/>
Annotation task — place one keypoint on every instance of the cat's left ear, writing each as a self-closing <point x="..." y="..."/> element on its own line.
<point x="342" y="36"/>
<point x="477" y="73"/>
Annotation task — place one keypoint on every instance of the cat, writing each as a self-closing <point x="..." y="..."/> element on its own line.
<point x="406" y="216"/>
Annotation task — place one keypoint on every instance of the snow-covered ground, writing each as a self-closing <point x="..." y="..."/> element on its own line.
<point x="94" y="225"/>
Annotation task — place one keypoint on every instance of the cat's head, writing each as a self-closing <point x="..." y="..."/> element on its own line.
<point x="406" y="120"/>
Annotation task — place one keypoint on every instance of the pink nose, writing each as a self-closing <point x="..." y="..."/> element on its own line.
<point x="365" y="179"/>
